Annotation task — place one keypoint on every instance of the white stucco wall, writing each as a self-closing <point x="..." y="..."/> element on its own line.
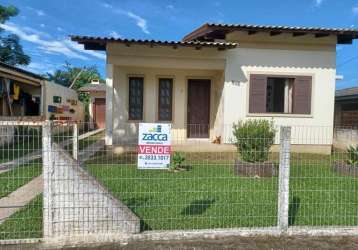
<point x="127" y="130"/>
<point x="320" y="64"/>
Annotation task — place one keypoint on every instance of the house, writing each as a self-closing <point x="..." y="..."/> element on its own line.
<point x="24" y="94"/>
<point x="220" y="74"/>
<point x="97" y="103"/>
<point x="346" y="108"/>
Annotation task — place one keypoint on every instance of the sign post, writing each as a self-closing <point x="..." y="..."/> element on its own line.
<point x="154" y="146"/>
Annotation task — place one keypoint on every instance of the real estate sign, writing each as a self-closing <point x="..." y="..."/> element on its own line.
<point x="154" y="145"/>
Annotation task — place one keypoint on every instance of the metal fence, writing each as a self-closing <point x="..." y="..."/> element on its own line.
<point x="61" y="180"/>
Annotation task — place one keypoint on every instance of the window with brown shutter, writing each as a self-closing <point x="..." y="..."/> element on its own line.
<point x="165" y="99"/>
<point x="280" y="94"/>
<point x="135" y="107"/>
<point x="302" y="95"/>
<point x="258" y="89"/>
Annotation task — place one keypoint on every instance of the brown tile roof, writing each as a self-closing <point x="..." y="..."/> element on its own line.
<point x="216" y="30"/>
<point x="99" y="43"/>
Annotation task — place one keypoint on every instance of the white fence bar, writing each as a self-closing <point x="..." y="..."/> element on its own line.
<point x="47" y="169"/>
<point x="75" y="142"/>
<point x="284" y="176"/>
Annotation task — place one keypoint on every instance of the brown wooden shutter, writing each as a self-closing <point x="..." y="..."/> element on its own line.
<point x="257" y="98"/>
<point x="302" y="89"/>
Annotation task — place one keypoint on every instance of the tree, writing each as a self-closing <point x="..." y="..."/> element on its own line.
<point x="11" y="51"/>
<point x="78" y="76"/>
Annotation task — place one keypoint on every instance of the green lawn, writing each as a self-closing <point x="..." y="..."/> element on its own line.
<point x="26" y="223"/>
<point x="206" y="196"/>
<point x="321" y="197"/>
<point x="22" y="174"/>
<point x="22" y="145"/>
<point x="209" y="195"/>
<point x="89" y="140"/>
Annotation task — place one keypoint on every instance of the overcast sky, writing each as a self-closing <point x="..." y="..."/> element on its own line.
<point x="44" y="26"/>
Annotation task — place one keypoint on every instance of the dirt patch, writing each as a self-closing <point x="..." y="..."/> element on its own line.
<point x="345" y="169"/>
<point x="261" y="169"/>
<point x="247" y="243"/>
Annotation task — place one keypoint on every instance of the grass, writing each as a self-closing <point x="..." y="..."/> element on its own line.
<point x="206" y="196"/>
<point x="209" y="195"/>
<point x="320" y="196"/>
<point x="26" y="223"/>
<point x="90" y="140"/>
<point x="22" y="145"/>
<point x="19" y="176"/>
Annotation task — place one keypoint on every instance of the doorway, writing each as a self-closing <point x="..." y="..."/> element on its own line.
<point x="198" y="110"/>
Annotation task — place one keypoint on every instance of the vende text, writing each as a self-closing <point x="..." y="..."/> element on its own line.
<point x="154" y="149"/>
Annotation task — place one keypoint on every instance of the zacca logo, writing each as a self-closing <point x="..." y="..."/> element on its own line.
<point x="155" y="134"/>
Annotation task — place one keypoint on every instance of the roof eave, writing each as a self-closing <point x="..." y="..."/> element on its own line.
<point x="207" y="31"/>
<point x="93" y="43"/>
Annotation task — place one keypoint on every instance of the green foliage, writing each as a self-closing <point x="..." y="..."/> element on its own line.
<point x="7" y="12"/>
<point x="79" y="75"/>
<point x="352" y="155"/>
<point x="254" y="139"/>
<point x="11" y="51"/>
<point x="177" y="161"/>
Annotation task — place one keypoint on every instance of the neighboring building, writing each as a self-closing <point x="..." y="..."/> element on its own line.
<point x="61" y="103"/>
<point x="24" y="94"/>
<point x="220" y="74"/>
<point x="97" y="104"/>
<point x="20" y="92"/>
<point x="346" y="108"/>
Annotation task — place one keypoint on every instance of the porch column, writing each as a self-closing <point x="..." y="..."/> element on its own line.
<point x="42" y="99"/>
<point x="109" y="104"/>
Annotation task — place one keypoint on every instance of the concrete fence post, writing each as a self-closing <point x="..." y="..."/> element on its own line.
<point x="47" y="172"/>
<point x="283" y="179"/>
<point x="75" y="142"/>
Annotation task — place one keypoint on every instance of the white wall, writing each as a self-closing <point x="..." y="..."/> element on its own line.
<point x="320" y="64"/>
<point x="52" y="89"/>
<point x="124" y="128"/>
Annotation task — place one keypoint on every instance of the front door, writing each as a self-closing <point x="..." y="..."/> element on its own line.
<point x="198" y="116"/>
<point x="99" y="111"/>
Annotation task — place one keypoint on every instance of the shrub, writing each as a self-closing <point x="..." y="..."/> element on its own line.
<point x="254" y="139"/>
<point x="352" y="155"/>
<point x="177" y="161"/>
